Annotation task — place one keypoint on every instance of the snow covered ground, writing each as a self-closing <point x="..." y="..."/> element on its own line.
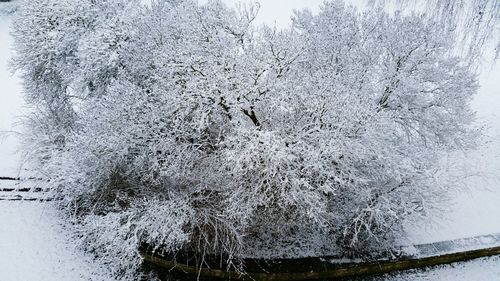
<point x="484" y="269"/>
<point x="35" y="247"/>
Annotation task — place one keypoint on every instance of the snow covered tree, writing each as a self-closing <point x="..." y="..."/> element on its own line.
<point x="186" y="127"/>
<point x="472" y="24"/>
<point x="412" y="95"/>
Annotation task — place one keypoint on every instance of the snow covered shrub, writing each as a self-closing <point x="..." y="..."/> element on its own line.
<point x="403" y="101"/>
<point x="184" y="127"/>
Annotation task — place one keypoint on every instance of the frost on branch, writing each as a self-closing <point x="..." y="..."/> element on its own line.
<point x="187" y="128"/>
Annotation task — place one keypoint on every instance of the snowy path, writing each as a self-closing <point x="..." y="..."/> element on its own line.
<point x="34" y="246"/>
<point x="484" y="269"/>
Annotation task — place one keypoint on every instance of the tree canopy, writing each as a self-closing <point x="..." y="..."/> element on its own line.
<point x="187" y="127"/>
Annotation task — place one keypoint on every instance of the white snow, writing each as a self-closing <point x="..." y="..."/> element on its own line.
<point x="35" y="247"/>
<point x="484" y="269"/>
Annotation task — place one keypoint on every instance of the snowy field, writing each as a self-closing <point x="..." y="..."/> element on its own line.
<point x="35" y="247"/>
<point x="485" y="269"/>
